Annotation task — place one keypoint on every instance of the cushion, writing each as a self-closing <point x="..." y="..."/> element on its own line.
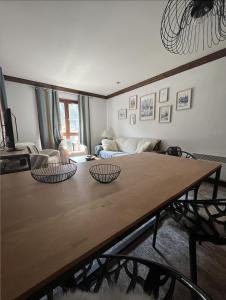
<point x="142" y="146"/>
<point x="109" y="145"/>
<point x="128" y="145"/>
<point x="110" y="154"/>
<point x="146" y="145"/>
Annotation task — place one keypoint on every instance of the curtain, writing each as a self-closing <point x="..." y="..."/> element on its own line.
<point x="84" y="122"/>
<point x="48" y="118"/>
<point x="3" y="106"/>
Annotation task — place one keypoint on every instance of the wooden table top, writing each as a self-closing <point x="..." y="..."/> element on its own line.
<point x="46" y="229"/>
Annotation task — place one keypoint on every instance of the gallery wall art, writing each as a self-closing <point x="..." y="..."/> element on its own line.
<point x="147" y="107"/>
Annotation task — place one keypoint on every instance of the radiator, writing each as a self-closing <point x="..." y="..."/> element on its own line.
<point x="220" y="159"/>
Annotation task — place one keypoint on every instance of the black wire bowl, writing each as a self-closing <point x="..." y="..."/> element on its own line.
<point x="105" y="173"/>
<point x="54" y="172"/>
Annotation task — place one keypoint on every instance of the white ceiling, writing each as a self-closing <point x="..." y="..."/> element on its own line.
<point x="86" y="45"/>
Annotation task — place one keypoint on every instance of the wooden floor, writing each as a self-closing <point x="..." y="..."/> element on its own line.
<point x="172" y="249"/>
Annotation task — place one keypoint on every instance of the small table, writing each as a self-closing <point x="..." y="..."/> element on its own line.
<point x="82" y="159"/>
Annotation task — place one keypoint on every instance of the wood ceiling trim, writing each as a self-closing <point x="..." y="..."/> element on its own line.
<point x="193" y="64"/>
<point x="51" y="86"/>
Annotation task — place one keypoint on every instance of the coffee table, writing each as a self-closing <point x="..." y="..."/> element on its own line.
<point x="82" y="158"/>
<point x="50" y="231"/>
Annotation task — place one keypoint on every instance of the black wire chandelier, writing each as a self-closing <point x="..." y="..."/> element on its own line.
<point x="188" y="25"/>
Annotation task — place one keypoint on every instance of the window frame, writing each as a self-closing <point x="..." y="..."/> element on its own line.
<point x="66" y="103"/>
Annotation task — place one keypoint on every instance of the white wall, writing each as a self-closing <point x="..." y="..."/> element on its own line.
<point x="21" y="99"/>
<point x="202" y="129"/>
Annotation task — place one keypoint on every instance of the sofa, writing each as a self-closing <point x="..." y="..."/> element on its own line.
<point x="126" y="146"/>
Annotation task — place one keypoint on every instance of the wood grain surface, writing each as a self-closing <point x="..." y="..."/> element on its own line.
<point x="46" y="229"/>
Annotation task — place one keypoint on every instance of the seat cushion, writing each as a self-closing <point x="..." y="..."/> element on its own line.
<point x="109" y="154"/>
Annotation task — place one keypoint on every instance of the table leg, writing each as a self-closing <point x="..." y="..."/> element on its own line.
<point x="216" y="183"/>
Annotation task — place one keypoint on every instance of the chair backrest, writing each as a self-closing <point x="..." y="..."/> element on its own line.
<point x="177" y="151"/>
<point x="205" y="219"/>
<point x="174" y="151"/>
<point x="132" y="274"/>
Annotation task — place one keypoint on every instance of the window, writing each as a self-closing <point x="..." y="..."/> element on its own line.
<point x="69" y="119"/>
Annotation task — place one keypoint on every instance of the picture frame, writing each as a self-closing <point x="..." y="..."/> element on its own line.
<point x="184" y="99"/>
<point x="132" y="119"/>
<point x="147" y="107"/>
<point x="163" y="95"/>
<point x="165" y="114"/>
<point x="133" y="102"/>
<point x="122" y="114"/>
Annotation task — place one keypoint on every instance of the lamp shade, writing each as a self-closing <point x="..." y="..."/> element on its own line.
<point x="107" y="133"/>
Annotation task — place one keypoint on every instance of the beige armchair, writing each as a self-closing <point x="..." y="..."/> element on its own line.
<point x="39" y="158"/>
<point x="68" y="149"/>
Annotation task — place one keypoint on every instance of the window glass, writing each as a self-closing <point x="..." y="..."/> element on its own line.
<point x="73" y="118"/>
<point x="62" y="116"/>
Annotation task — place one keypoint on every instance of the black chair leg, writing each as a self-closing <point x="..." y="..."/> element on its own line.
<point x="193" y="259"/>
<point x="155" y="229"/>
<point x="196" y="193"/>
<point x="186" y="196"/>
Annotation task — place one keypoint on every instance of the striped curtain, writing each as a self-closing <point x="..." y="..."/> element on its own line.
<point x="48" y="117"/>
<point x="84" y="122"/>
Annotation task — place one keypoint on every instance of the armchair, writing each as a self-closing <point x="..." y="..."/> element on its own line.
<point x="39" y="158"/>
<point x="69" y="148"/>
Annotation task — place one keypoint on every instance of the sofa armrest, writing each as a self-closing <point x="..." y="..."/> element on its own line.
<point x="98" y="148"/>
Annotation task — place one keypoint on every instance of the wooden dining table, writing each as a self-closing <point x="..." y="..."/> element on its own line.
<point x="50" y="230"/>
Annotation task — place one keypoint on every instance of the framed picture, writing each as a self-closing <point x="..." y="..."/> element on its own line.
<point x="147" y="107"/>
<point x="132" y="119"/>
<point x="122" y="114"/>
<point x="165" y="114"/>
<point x="183" y="100"/>
<point x="133" y="102"/>
<point x="163" y="95"/>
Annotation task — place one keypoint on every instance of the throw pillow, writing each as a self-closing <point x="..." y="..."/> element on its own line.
<point x="141" y="147"/>
<point x="109" y="145"/>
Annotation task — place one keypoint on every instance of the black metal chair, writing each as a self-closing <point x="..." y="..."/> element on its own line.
<point x="204" y="220"/>
<point x="175" y="151"/>
<point x="130" y="274"/>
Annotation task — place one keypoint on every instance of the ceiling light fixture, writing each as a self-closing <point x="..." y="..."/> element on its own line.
<point x="188" y="25"/>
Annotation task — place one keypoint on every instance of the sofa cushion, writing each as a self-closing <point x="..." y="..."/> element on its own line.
<point x="146" y="145"/>
<point x="127" y="144"/>
<point x="109" y="145"/>
<point x="131" y="145"/>
<point x="143" y="146"/>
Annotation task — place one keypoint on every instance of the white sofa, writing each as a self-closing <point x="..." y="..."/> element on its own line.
<point x="128" y="146"/>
